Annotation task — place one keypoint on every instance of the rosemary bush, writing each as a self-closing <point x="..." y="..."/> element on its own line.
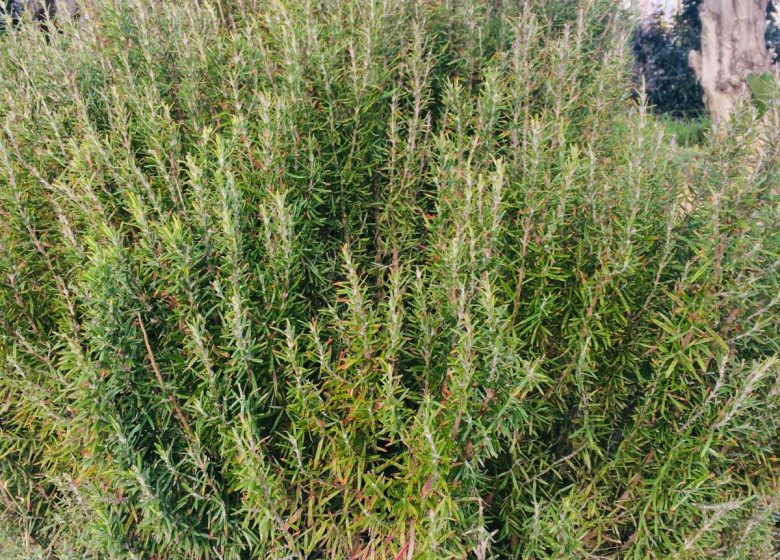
<point x="377" y="279"/>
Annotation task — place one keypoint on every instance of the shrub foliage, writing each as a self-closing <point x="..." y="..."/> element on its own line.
<point x="662" y="68"/>
<point x="376" y="279"/>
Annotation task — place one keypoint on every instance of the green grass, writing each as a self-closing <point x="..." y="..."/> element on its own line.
<point x="377" y="279"/>
<point x="688" y="131"/>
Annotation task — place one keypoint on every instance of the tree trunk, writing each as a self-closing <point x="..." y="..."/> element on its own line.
<point x="646" y="11"/>
<point x="653" y="10"/>
<point x="732" y="46"/>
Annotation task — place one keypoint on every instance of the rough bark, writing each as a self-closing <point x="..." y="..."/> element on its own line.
<point x="653" y="10"/>
<point x="732" y="46"/>
<point x="646" y="10"/>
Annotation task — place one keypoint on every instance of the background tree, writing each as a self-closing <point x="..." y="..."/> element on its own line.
<point x="661" y="51"/>
<point x="661" y="67"/>
<point x="733" y="46"/>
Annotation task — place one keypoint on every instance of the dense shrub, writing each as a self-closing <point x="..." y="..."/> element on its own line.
<point x="773" y="30"/>
<point x="662" y="68"/>
<point x="376" y="279"/>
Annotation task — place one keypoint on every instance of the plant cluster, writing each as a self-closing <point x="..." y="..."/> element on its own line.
<point x="373" y="279"/>
<point x="661" y="63"/>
